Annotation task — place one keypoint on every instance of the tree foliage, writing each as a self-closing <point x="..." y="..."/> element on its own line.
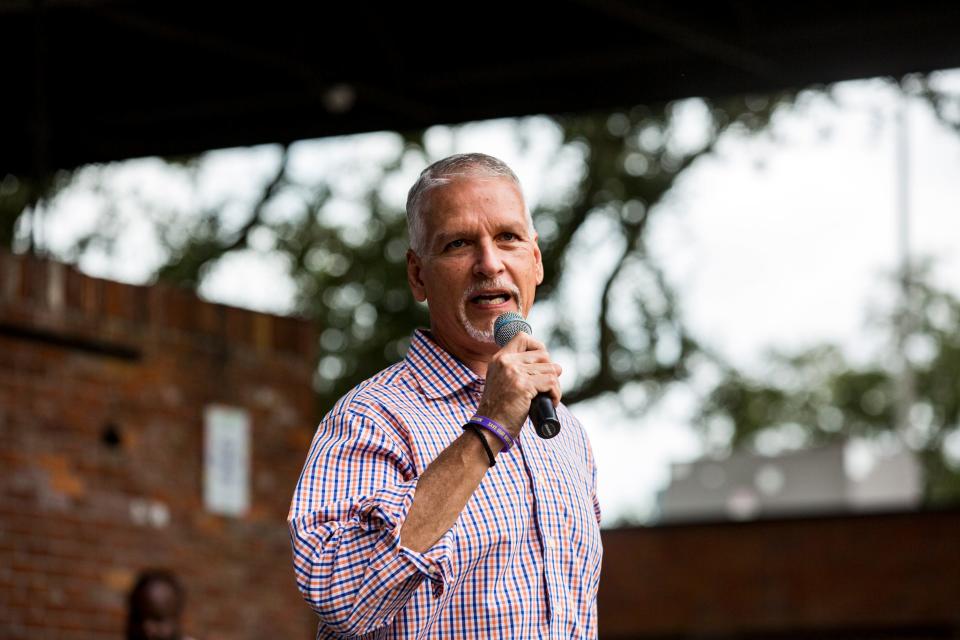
<point x="350" y="277"/>
<point x="825" y="398"/>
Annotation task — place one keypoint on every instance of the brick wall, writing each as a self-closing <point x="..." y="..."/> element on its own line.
<point x="102" y="391"/>
<point x="863" y="577"/>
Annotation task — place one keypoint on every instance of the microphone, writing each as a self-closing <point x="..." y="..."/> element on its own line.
<point x="542" y="413"/>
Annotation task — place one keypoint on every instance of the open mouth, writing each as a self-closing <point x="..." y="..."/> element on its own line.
<point x="483" y="301"/>
<point x="490" y="299"/>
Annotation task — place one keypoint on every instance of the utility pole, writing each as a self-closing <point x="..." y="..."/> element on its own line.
<point x="905" y="394"/>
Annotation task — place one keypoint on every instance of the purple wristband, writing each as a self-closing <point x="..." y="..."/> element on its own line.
<point x="495" y="428"/>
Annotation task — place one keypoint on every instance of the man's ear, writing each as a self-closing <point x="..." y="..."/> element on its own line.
<point x="538" y="257"/>
<point x="414" y="268"/>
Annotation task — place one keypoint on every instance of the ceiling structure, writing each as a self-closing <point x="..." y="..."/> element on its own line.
<point x="97" y="80"/>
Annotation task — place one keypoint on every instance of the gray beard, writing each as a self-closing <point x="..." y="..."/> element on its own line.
<point x="480" y="335"/>
<point x="486" y="334"/>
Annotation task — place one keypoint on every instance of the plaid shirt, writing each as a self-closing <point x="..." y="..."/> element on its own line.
<point x="522" y="559"/>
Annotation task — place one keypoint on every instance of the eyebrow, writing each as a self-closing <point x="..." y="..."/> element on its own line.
<point x="443" y="237"/>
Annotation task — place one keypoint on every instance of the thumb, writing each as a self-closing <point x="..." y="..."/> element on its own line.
<point x="522" y="342"/>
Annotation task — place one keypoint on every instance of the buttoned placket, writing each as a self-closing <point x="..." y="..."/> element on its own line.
<point x="555" y="517"/>
<point x="550" y="550"/>
<point x="531" y="456"/>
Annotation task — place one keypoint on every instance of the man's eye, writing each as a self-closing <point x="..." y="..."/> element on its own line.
<point x="508" y="236"/>
<point x="456" y="244"/>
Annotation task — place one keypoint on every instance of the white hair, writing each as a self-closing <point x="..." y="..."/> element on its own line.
<point x="443" y="172"/>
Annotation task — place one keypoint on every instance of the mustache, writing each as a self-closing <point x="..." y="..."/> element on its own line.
<point x="505" y="285"/>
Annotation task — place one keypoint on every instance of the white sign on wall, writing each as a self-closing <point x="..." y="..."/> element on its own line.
<point x="226" y="460"/>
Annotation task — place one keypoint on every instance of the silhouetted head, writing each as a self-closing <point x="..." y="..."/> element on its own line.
<point x="155" y="607"/>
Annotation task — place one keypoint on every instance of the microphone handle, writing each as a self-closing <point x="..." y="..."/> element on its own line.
<point x="544" y="416"/>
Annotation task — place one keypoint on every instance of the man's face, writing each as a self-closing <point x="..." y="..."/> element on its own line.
<point x="480" y="261"/>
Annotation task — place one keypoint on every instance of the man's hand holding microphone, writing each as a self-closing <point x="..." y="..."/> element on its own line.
<point x="521" y="381"/>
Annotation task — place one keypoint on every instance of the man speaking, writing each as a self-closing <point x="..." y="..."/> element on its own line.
<point x="428" y="506"/>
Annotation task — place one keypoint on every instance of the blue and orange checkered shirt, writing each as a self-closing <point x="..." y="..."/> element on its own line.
<point x="521" y="561"/>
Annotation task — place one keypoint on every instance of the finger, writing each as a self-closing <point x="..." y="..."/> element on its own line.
<point x="524" y="342"/>
<point x="554" y="391"/>
<point x="532" y="344"/>
<point x="549" y="384"/>
<point x="544" y="367"/>
<point x="529" y="357"/>
<point x="517" y="344"/>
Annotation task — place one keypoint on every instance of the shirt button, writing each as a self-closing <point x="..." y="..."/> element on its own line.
<point x="551" y="542"/>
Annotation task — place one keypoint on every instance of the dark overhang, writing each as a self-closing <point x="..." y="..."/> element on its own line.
<point x="97" y="80"/>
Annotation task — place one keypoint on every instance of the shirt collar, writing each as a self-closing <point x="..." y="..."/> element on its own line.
<point x="439" y="373"/>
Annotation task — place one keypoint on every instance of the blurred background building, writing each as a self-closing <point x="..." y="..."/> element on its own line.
<point x="744" y="486"/>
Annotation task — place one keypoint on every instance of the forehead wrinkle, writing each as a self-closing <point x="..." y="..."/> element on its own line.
<point x="473" y="193"/>
<point x="473" y="208"/>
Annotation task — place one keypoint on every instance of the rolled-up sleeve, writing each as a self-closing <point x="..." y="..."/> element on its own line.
<point x="350" y="503"/>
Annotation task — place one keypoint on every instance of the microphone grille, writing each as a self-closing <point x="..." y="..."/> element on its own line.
<point x="508" y="325"/>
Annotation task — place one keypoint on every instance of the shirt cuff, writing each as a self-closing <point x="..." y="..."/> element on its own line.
<point x="387" y="510"/>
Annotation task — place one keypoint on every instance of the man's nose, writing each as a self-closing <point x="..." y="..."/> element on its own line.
<point x="489" y="262"/>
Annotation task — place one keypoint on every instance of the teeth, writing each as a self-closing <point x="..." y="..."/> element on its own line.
<point x="491" y="301"/>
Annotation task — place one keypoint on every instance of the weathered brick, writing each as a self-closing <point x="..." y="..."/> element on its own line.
<point x="75" y="284"/>
<point x="809" y="578"/>
<point x="33" y="280"/>
<point x="102" y="456"/>
<point x="117" y="300"/>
